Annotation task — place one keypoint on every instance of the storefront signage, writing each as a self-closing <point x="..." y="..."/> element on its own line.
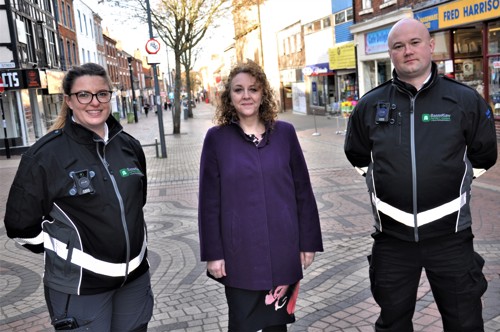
<point x="21" y="79"/>
<point x="376" y="41"/>
<point x="343" y="56"/>
<point x="54" y="81"/>
<point x="7" y="65"/>
<point x="467" y="11"/>
<point x="429" y="17"/>
<point x="317" y="69"/>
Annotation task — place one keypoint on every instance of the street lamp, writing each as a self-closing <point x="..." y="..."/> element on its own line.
<point x="134" y="102"/>
<point x="163" y="146"/>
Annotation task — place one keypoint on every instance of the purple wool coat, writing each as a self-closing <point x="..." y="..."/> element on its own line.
<point x="257" y="210"/>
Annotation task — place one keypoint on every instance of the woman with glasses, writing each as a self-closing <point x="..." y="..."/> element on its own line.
<point x="78" y="197"/>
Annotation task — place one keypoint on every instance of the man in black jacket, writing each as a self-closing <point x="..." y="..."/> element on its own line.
<point x="420" y="139"/>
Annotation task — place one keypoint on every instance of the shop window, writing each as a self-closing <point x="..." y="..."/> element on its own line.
<point x="442" y="50"/>
<point x="318" y="90"/>
<point x="494" y="83"/>
<point x="494" y="38"/>
<point x="467" y="42"/>
<point x="468" y="64"/>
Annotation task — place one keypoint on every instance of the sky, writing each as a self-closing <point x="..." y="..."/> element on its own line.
<point x="134" y="34"/>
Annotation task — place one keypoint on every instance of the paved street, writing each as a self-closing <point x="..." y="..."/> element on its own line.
<point x="335" y="293"/>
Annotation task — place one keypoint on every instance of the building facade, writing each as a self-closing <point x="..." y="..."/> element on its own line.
<point x="30" y="68"/>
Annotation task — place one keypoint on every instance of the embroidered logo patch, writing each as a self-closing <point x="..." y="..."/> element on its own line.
<point x="443" y="117"/>
<point x="124" y="172"/>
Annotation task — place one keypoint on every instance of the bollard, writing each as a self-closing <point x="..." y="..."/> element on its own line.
<point x="156" y="147"/>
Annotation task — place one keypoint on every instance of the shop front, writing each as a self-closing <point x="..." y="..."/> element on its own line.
<point x="320" y="88"/>
<point x="20" y="105"/>
<point x="342" y="59"/>
<point x="467" y="39"/>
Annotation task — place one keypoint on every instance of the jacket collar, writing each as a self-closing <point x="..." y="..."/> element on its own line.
<point x="410" y="88"/>
<point x="85" y="136"/>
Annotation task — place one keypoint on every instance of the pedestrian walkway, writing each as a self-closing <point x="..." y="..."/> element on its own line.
<point x="335" y="293"/>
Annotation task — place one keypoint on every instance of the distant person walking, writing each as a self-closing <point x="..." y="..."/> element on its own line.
<point x="146" y="109"/>
<point x="78" y="197"/>
<point x="258" y="219"/>
<point x="421" y="139"/>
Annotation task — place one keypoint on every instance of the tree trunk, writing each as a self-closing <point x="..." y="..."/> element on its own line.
<point x="177" y="95"/>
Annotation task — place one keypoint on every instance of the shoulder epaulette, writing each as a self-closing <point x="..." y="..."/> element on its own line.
<point x="44" y="140"/>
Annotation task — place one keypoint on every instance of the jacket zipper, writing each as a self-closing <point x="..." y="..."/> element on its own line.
<point x="413" y="166"/>
<point x="120" y="202"/>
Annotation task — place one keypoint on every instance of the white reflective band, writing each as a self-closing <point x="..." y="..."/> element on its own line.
<point x="423" y="218"/>
<point x="90" y="263"/>
<point x="361" y="170"/>
<point x="34" y="241"/>
<point x="478" y="172"/>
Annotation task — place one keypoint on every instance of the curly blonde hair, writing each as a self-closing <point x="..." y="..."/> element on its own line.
<point x="268" y="110"/>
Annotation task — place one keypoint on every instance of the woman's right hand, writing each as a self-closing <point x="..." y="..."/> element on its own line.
<point x="217" y="268"/>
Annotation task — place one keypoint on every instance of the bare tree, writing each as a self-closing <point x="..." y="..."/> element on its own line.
<point x="182" y="24"/>
<point x="188" y="60"/>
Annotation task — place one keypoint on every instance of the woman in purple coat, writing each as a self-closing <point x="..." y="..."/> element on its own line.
<point x="258" y="219"/>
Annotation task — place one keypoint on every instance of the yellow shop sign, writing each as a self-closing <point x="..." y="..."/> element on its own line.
<point x="467" y="11"/>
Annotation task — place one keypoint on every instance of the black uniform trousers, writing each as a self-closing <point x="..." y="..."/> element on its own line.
<point x="454" y="272"/>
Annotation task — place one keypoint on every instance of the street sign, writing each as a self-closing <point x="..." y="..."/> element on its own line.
<point x="152" y="46"/>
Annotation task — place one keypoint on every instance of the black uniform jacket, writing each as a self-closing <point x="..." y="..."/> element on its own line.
<point x="79" y="200"/>
<point x="420" y="160"/>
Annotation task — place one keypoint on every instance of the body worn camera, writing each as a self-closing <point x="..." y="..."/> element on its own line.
<point x="68" y="323"/>
<point x="82" y="182"/>
<point x="383" y="113"/>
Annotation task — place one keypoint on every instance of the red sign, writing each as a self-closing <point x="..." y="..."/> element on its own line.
<point x="152" y="46"/>
<point x="1" y="85"/>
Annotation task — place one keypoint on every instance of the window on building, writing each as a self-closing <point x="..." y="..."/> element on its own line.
<point x="317" y="25"/>
<point x="80" y="20"/>
<point x="85" y="22"/>
<point x="309" y="28"/>
<point x="70" y="21"/>
<point x="327" y="22"/>
<point x="83" y="55"/>
<point x="367" y="4"/>
<point x="63" y="11"/>
<point x="299" y="42"/>
<point x="68" y="55"/>
<point x="91" y="28"/>
<point x="75" y="60"/>
<point x="340" y="17"/>
<point x="30" y="40"/>
<point x="52" y="48"/>
<point x="343" y="16"/>
<point x="349" y="16"/>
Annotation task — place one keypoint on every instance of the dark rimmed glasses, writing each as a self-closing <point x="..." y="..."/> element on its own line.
<point x="85" y="97"/>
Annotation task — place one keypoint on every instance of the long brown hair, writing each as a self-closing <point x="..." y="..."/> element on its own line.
<point x="226" y="113"/>
<point x="91" y="69"/>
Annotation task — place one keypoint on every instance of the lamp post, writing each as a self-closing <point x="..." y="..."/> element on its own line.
<point x="157" y="90"/>
<point x="134" y="102"/>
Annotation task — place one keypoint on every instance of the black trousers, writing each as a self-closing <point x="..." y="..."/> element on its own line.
<point x="454" y="272"/>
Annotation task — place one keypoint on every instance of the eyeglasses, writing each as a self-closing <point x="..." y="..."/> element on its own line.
<point x="85" y="97"/>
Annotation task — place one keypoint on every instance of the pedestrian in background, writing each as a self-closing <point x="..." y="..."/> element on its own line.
<point x="420" y="139"/>
<point x="258" y="219"/>
<point x="146" y="109"/>
<point x="78" y="197"/>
